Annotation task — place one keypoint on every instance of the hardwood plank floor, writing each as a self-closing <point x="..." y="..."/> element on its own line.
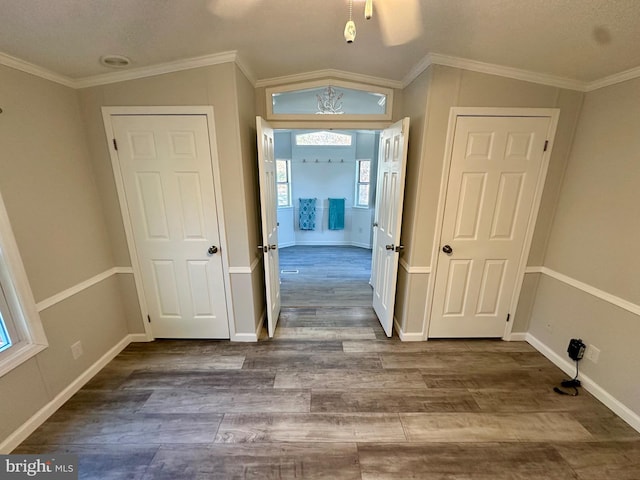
<point x="337" y="276"/>
<point x="326" y="405"/>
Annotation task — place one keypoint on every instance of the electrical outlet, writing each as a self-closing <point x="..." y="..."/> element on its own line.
<point x="593" y="353"/>
<point x="76" y="350"/>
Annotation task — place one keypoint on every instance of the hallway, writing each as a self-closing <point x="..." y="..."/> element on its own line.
<point x="335" y="275"/>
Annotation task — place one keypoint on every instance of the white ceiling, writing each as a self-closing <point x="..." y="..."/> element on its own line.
<point x="584" y="40"/>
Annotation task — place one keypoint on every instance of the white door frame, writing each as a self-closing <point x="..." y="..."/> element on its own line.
<point x="207" y="111"/>
<point x="455" y="112"/>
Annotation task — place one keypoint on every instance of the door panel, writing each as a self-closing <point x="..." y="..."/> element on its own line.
<point x="392" y="163"/>
<point x="166" y="169"/>
<point x="495" y="167"/>
<point x="268" y="206"/>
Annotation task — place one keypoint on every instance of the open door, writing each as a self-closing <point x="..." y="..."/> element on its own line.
<point x="392" y="162"/>
<point x="268" y="206"/>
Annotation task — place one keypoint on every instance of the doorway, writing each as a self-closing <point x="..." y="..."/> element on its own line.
<point x="167" y="179"/>
<point x="322" y="221"/>
<point x="325" y="244"/>
<point x="492" y="184"/>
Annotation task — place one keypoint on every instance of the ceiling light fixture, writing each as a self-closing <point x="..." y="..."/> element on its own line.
<point x="350" y="27"/>
<point x="115" y="61"/>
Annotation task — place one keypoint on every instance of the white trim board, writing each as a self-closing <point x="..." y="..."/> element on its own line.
<point x="37" y="419"/>
<point x="329" y="73"/>
<point x="252" y="337"/>
<point x="624" y="412"/>
<point x="41" y="72"/>
<point x="413" y="270"/>
<point x="406" y="337"/>
<point x="232" y="56"/>
<point x="158" y="69"/>
<point x="596" y="292"/>
<point x="246" y="270"/>
<point x="493" y="69"/>
<point x="69" y="292"/>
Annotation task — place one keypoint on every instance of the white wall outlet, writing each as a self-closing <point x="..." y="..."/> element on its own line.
<point x="593" y="353"/>
<point x="76" y="350"/>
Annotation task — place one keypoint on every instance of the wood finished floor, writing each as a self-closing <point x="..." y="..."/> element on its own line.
<point x="337" y="276"/>
<point x="333" y="399"/>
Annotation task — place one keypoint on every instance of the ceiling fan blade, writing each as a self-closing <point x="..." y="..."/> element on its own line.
<point x="231" y="8"/>
<point x="400" y="20"/>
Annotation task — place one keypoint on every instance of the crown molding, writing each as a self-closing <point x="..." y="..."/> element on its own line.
<point x="246" y="70"/>
<point x="23" y="66"/>
<point x="630" y="74"/>
<point x="158" y="69"/>
<point x="493" y="69"/>
<point x="329" y="73"/>
<point x="417" y="69"/>
<point x="232" y="56"/>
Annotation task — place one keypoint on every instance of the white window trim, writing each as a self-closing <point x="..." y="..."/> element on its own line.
<point x="19" y="299"/>
<point x="358" y="183"/>
<point x="290" y="204"/>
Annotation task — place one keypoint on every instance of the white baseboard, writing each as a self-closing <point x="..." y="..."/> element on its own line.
<point x="323" y="243"/>
<point x="251" y="337"/>
<point x="406" y="337"/>
<point x="588" y="384"/>
<point x="517" y="337"/>
<point x="139" y="337"/>
<point x="245" y="337"/>
<point x="27" y="428"/>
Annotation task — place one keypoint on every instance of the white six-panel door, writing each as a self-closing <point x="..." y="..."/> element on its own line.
<point x="269" y="205"/>
<point x="392" y="162"/>
<point x="165" y="162"/>
<point x="495" y="170"/>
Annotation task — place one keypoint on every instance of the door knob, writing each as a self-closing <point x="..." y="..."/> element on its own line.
<point x="390" y="247"/>
<point x="375" y="224"/>
<point x="447" y="249"/>
<point x="212" y="250"/>
<point x="399" y="247"/>
<point x="264" y="248"/>
<point x="273" y="247"/>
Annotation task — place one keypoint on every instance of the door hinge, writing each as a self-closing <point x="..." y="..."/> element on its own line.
<point x="115" y="144"/>
<point x="546" y="145"/>
<point x="149" y="318"/>
<point x="508" y="317"/>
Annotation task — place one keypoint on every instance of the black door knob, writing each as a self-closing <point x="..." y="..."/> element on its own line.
<point x="447" y="249"/>
<point x="212" y="250"/>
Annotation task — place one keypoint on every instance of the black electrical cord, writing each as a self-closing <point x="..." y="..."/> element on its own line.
<point x="573" y="383"/>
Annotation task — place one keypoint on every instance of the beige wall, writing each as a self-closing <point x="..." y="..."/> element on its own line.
<point x="449" y="87"/>
<point x="594" y="239"/>
<point x="48" y="187"/>
<point x="245" y="94"/>
<point x="225" y="88"/>
<point x="415" y="98"/>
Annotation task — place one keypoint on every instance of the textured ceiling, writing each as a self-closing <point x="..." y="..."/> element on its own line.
<point x="578" y="39"/>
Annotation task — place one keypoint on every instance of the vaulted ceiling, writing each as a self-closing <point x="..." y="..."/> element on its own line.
<point x="583" y="40"/>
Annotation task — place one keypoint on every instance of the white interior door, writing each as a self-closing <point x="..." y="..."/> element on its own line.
<point x="166" y="168"/>
<point x="392" y="162"/>
<point x="495" y="170"/>
<point x="269" y="209"/>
